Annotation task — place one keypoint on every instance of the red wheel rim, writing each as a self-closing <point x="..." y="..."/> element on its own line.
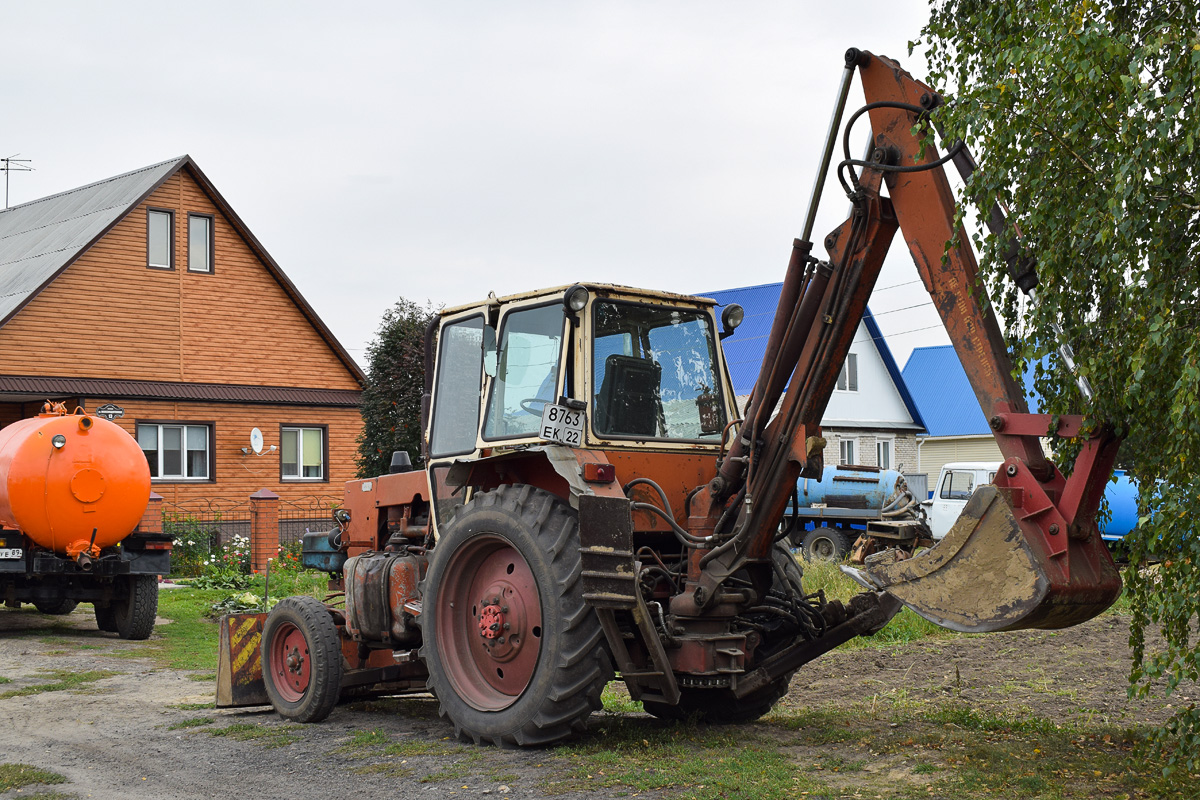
<point x="290" y="662"/>
<point x="489" y="623"/>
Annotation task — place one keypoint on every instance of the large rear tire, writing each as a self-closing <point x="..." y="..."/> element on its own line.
<point x="135" y="606"/>
<point x="57" y="607"/>
<point x="515" y="656"/>
<point x="302" y="659"/>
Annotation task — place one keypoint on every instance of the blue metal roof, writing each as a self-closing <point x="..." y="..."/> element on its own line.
<point x="744" y="351"/>
<point x="941" y="390"/>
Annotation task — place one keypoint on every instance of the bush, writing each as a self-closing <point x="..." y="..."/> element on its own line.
<point x="194" y="542"/>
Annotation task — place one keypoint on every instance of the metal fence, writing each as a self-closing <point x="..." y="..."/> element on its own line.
<point x="220" y="522"/>
<point x="306" y="515"/>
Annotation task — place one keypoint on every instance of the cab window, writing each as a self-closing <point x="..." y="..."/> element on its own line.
<point x="654" y="373"/>
<point x="957" y="485"/>
<point x="527" y="373"/>
<point x="456" y="391"/>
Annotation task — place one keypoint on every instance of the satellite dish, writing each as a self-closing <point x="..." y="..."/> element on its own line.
<point x="256" y="440"/>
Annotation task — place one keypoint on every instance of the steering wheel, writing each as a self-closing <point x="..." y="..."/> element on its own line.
<point x="527" y="405"/>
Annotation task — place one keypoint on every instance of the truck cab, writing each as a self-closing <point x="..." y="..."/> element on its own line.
<point x="957" y="481"/>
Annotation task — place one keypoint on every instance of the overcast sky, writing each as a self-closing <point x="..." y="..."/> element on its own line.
<point x="439" y="151"/>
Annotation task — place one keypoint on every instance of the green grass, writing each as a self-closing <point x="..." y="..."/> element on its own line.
<point x="192" y="722"/>
<point x="15" y="776"/>
<point x="904" y="627"/>
<point x="952" y="749"/>
<point x="4" y="680"/>
<point x="640" y="756"/>
<point x="617" y="701"/>
<point x="266" y="735"/>
<point x="190" y="641"/>
<point x="62" y="680"/>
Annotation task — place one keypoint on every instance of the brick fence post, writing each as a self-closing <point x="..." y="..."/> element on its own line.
<point x="264" y="528"/>
<point x="152" y="520"/>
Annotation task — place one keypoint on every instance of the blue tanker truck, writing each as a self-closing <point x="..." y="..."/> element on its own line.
<point x="827" y="517"/>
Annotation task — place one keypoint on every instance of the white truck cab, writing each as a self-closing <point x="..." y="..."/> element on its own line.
<point x="953" y="489"/>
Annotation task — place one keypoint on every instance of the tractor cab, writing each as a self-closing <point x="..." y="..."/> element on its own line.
<point x="587" y="366"/>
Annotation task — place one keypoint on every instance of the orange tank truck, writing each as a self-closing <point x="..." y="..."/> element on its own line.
<point x="73" y="489"/>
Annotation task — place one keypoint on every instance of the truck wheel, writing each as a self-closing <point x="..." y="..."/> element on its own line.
<point x="515" y="656"/>
<point x="824" y="544"/>
<point x="106" y="619"/>
<point x="56" y="607"/>
<point x="302" y="659"/>
<point x="135" y="605"/>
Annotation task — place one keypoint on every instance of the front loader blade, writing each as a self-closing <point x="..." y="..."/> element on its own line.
<point x="987" y="575"/>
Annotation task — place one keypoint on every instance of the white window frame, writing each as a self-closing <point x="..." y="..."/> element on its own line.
<point x="848" y="376"/>
<point x="883" y="443"/>
<point x="850" y="445"/>
<point x="323" y="445"/>
<point x="184" y="428"/>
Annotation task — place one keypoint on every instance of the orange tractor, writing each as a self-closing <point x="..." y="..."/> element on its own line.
<point x="594" y="501"/>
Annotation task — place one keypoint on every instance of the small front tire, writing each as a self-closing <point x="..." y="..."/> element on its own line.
<point x="301" y="659"/>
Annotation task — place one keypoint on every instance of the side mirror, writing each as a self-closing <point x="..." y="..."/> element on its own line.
<point x="491" y="355"/>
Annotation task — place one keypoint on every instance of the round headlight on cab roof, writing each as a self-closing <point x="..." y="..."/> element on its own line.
<point x="575" y="298"/>
<point x="732" y="316"/>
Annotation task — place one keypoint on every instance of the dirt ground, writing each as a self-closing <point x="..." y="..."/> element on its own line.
<point x="114" y="737"/>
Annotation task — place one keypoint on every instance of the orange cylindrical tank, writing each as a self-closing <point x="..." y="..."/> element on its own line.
<point x="63" y="476"/>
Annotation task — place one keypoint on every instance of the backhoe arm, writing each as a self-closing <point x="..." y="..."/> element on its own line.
<point x="1026" y="552"/>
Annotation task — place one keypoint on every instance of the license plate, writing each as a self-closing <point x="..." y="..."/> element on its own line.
<point x="11" y="552"/>
<point x="561" y="424"/>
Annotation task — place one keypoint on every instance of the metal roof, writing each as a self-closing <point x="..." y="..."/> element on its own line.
<point x="945" y="396"/>
<point x="744" y="351"/>
<point x="54" y="387"/>
<point x="940" y="388"/>
<point x="41" y="238"/>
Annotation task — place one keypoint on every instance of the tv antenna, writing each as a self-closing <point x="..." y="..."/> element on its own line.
<point x="13" y="164"/>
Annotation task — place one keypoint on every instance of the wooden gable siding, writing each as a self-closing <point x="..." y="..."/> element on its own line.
<point x="108" y="315"/>
<point x="237" y="475"/>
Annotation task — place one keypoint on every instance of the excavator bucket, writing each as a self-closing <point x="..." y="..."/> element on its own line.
<point x="988" y="575"/>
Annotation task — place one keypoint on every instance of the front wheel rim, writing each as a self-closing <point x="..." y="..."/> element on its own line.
<point x="488" y="623"/>
<point x="290" y="662"/>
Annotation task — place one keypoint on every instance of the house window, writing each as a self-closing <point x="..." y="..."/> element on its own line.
<point x="160" y="230"/>
<point x="846" y="454"/>
<point x="200" y="243"/>
<point x="848" y="377"/>
<point x="883" y="453"/>
<point x="302" y="453"/>
<point x="176" y="451"/>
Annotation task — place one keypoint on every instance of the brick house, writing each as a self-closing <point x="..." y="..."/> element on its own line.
<point x="144" y="297"/>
